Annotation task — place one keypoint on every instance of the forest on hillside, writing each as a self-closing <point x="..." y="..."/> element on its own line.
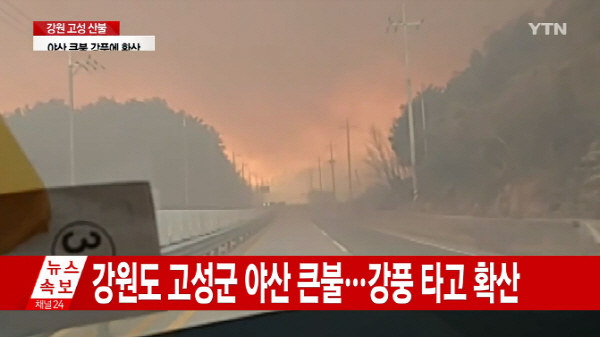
<point x="131" y="141"/>
<point x="516" y="133"/>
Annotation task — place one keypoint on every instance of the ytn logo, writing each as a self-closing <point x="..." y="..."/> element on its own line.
<point x="559" y="28"/>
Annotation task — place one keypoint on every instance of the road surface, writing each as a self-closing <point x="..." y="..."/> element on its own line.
<point x="295" y="231"/>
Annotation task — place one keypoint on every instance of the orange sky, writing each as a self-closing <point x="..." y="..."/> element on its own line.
<point x="277" y="78"/>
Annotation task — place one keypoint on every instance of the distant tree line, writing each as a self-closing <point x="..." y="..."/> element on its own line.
<point x="132" y="141"/>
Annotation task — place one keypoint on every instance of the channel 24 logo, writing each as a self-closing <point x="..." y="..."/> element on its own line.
<point x="549" y="28"/>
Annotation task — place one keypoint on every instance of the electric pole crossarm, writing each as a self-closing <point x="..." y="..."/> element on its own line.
<point x="415" y="23"/>
<point x="401" y="23"/>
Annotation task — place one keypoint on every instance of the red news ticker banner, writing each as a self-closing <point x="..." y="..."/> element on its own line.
<point x="91" y="28"/>
<point x="299" y="283"/>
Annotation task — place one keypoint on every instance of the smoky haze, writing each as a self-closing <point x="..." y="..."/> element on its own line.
<point x="276" y="78"/>
<point x="507" y="165"/>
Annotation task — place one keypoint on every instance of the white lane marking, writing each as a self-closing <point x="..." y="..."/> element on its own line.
<point x="337" y="244"/>
<point x="593" y="232"/>
<point x="72" y="332"/>
<point x="342" y="248"/>
<point x="424" y="242"/>
<point x="181" y="320"/>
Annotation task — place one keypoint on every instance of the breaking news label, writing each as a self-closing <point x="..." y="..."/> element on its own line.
<point x="299" y="283"/>
<point x="86" y="36"/>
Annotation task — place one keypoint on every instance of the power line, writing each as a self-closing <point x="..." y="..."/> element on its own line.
<point x="5" y="12"/>
<point x="16" y="9"/>
<point x="10" y="23"/>
<point x="17" y="22"/>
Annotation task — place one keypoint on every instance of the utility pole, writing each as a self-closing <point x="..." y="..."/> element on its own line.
<point x="332" y="163"/>
<point x="251" y="188"/>
<point x="243" y="175"/>
<point x="73" y="68"/>
<point x="320" y="176"/>
<point x="424" y="125"/>
<point x="358" y="184"/>
<point x="262" y="191"/>
<point x="310" y="178"/>
<point x="404" y="24"/>
<point x="349" y="160"/>
<point x="185" y="163"/>
<point x="238" y="174"/>
<point x="71" y="122"/>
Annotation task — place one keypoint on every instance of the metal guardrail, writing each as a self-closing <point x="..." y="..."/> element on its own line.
<point x="178" y="226"/>
<point x="504" y="236"/>
<point x="208" y="232"/>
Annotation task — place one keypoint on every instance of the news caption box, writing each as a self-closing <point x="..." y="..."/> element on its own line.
<point x="87" y="36"/>
<point x="303" y="283"/>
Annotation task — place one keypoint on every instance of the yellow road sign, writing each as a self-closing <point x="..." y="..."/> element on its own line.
<point x="24" y="203"/>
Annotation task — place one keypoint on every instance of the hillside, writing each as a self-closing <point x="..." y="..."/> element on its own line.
<point x="507" y="136"/>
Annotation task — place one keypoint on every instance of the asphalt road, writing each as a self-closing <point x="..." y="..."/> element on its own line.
<point x="299" y="231"/>
<point x="359" y="237"/>
<point x="295" y="231"/>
